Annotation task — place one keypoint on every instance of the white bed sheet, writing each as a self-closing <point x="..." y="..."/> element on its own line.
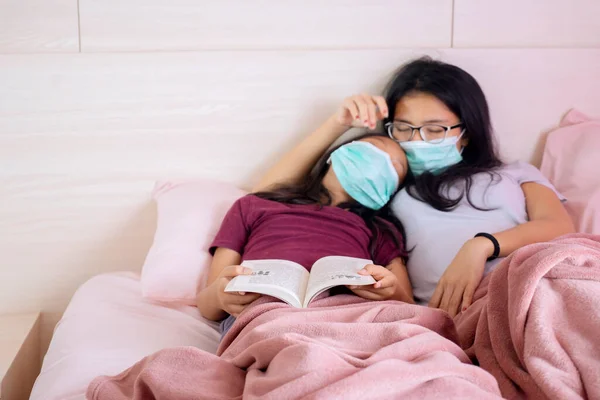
<point x="107" y="327"/>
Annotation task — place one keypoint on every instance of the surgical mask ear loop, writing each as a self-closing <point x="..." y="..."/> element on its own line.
<point x="458" y="140"/>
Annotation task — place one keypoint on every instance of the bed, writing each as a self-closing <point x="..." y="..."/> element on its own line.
<point x="107" y="327"/>
<point x="101" y="108"/>
<point x="115" y="320"/>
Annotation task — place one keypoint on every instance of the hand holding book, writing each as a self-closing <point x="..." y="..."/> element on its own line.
<point x="383" y="289"/>
<point x="293" y="284"/>
<point x="233" y="303"/>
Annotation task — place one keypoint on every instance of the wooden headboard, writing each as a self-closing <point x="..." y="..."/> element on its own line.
<point x="101" y="99"/>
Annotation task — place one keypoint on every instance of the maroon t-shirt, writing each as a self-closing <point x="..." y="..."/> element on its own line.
<point x="261" y="229"/>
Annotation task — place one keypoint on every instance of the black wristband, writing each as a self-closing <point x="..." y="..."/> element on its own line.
<point x="494" y="241"/>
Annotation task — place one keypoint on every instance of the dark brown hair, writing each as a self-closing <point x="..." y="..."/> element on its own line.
<point x="461" y="93"/>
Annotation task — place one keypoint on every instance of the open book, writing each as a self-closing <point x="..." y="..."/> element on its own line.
<point x="292" y="283"/>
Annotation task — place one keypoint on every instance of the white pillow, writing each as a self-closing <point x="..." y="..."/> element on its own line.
<point x="189" y="217"/>
<point x="108" y="327"/>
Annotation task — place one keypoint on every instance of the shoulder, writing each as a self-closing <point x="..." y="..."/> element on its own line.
<point x="251" y="208"/>
<point x="252" y="200"/>
<point x="520" y="170"/>
<point x="523" y="172"/>
<point x="514" y="173"/>
<point x="243" y="202"/>
<point x="259" y="205"/>
<point x="249" y="204"/>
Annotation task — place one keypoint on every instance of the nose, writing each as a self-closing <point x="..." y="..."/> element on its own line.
<point x="417" y="136"/>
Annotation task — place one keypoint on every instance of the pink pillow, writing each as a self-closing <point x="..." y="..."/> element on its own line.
<point x="189" y="216"/>
<point x="572" y="163"/>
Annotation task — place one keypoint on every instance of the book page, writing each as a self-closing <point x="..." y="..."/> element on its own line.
<point x="334" y="271"/>
<point x="282" y="279"/>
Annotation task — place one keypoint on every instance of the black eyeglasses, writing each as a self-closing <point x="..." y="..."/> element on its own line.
<point x="430" y="133"/>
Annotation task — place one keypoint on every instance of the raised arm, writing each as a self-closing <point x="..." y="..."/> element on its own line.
<point x="356" y="111"/>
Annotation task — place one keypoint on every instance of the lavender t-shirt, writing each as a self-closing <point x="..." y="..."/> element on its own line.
<point x="436" y="236"/>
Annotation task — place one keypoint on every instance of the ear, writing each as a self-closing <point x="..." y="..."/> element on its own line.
<point x="401" y="166"/>
<point x="464" y="141"/>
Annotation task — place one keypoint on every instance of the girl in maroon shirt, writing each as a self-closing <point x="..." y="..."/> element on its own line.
<point x="339" y="209"/>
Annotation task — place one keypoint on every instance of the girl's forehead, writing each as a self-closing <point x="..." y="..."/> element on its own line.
<point x="421" y="108"/>
<point x="393" y="149"/>
<point x="382" y="142"/>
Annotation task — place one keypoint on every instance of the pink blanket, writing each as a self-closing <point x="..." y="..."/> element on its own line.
<point x="536" y="322"/>
<point x="343" y="347"/>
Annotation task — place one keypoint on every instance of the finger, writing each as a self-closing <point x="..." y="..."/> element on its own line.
<point x="436" y="299"/>
<point x="367" y="294"/>
<point x="251" y="297"/>
<point x="382" y="109"/>
<point x="350" y="105"/>
<point x="371" y="110"/>
<point x="468" y="297"/>
<point x="362" y="110"/>
<point x="232" y="298"/>
<point x="455" y="300"/>
<point x="246" y="271"/>
<point x="445" y="303"/>
<point x="377" y="271"/>
<point x="386" y="282"/>
<point x="235" y="270"/>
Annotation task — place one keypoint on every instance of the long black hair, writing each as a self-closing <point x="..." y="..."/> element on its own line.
<point x="310" y="190"/>
<point x="461" y="93"/>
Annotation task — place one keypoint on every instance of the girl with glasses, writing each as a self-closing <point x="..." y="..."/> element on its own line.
<point x="462" y="208"/>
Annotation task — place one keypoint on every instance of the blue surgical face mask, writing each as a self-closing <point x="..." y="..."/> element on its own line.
<point x="366" y="173"/>
<point x="432" y="157"/>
